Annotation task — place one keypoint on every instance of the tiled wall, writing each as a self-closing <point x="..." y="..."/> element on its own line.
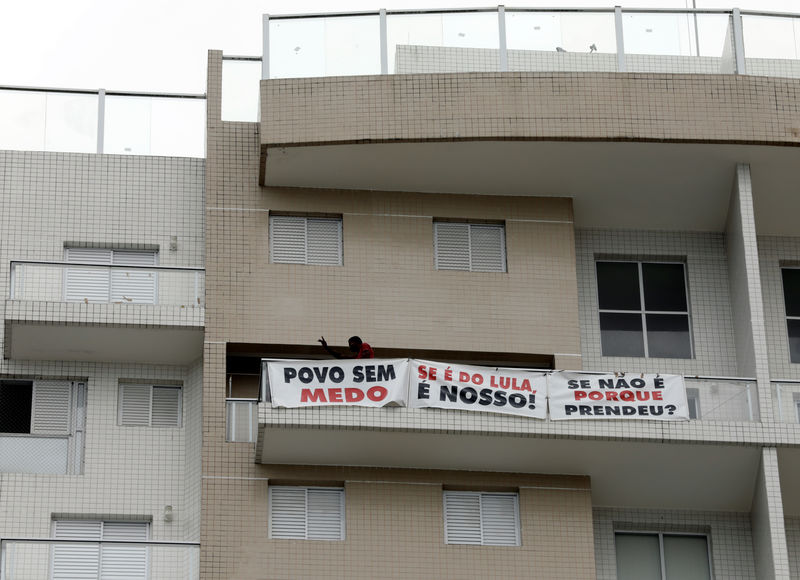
<point x="729" y="533"/>
<point x="709" y="297"/>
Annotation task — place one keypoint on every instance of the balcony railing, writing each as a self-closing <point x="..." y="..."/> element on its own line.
<point x="786" y="401"/>
<point x="100" y="121"/>
<point x="33" y="559"/>
<point x="90" y="283"/>
<point x="722" y="399"/>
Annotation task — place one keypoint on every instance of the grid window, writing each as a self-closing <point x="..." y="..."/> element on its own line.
<point x="149" y="406"/>
<point x="97" y="561"/>
<point x="791" y="299"/>
<point x="657" y="556"/>
<point x="301" y="240"/>
<point x="306" y="513"/>
<point x="481" y="519"/>
<point x="470" y="247"/>
<point x="644" y="309"/>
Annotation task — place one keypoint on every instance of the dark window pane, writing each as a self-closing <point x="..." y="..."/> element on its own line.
<point x="791" y="291"/>
<point x="15" y="407"/>
<point x="668" y="336"/>
<point x="621" y="334"/>
<point x="664" y="287"/>
<point x="794" y="340"/>
<point x="618" y="285"/>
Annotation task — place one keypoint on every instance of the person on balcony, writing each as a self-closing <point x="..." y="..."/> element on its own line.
<point x="358" y="347"/>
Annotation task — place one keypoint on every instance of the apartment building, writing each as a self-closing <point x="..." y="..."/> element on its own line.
<point x="606" y="192"/>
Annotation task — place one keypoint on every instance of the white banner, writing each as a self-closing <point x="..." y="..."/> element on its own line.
<point x="472" y="388"/>
<point x="626" y="396"/>
<point x="362" y="382"/>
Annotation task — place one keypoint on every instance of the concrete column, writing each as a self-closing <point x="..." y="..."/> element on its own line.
<point x="766" y="516"/>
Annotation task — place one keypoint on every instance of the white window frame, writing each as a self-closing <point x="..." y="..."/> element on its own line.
<point x="661" y="545"/>
<point x="122" y="422"/>
<point x="114" y="257"/>
<point x="642" y="311"/>
<point x="471" y="228"/>
<point x="305" y="255"/>
<point x="101" y="536"/>
<point x="307" y="533"/>
<point x="480" y="496"/>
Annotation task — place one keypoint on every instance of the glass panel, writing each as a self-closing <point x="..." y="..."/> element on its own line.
<point x="662" y="34"/>
<point x="791" y="290"/>
<point x="71" y="123"/>
<point x="415" y="41"/>
<point x="127" y="125"/>
<point x="621" y="334"/>
<point x="686" y="558"/>
<point x="668" y="336"/>
<point x="618" y="285"/>
<point x="664" y="287"/>
<point x="794" y="340"/>
<point x="720" y="400"/>
<point x="240" y="90"/>
<point x="313" y="47"/>
<point x="574" y="32"/>
<point x="22" y="120"/>
<point x="15" y="407"/>
<point x="638" y="557"/>
<point x="178" y="127"/>
<point x="33" y="454"/>
<point x="770" y="37"/>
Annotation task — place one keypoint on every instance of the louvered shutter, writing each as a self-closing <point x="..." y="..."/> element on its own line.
<point x="325" y="514"/>
<point x="324" y="242"/>
<point x="287" y="239"/>
<point x="462" y="518"/>
<point x="133" y="286"/>
<point x="452" y="246"/>
<point x="90" y="284"/>
<point x="134" y="404"/>
<point x="487" y="244"/>
<point x="124" y="562"/>
<point x="77" y="561"/>
<point x="166" y="411"/>
<point x="500" y="519"/>
<point x="52" y="401"/>
<point x="287" y="515"/>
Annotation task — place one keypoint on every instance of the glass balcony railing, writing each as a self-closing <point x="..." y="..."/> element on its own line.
<point x="786" y="401"/>
<point x="41" y="559"/>
<point x="87" y="283"/>
<point x="722" y="399"/>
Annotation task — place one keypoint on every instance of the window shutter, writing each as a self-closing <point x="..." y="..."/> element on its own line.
<point x="462" y="518"/>
<point x="488" y="248"/>
<point x="287" y="512"/>
<point x="166" y="407"/>
<point x="452" y="246"/>
<point x="134" y="405"/>
<point x="133" y="286"/>
<point x="324" y="242"/>
<point x="288" y="239"/>
<point x="87" y="285"/>
<point x="124" y="562"/>
<point x="77" y="560"/>
<point x="51" y="408"/>
<point x="500" y="519"/>
<point x="325" y="514"/>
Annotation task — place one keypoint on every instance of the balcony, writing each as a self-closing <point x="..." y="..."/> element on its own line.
<point x="86" y="312"/>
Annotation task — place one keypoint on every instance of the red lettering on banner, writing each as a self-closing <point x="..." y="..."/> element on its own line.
<point x="422" y="372"/>
<point x="627" y="396"/>
<point x="309" y="396"/>
<point x="377" y="393"/>
<point x="335" y="395"/>
<point x="353" y="395"/>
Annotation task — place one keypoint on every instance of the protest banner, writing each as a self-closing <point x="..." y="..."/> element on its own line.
<point x="622" y="396"/>
<point x="360" y="382"/>
<point x="474" y="388"/>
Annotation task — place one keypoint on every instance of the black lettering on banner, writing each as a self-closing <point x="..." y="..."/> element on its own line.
<point x="468" y="395"/>
<point x="423" y="391"/>
<point x="486" y="397"/>
<point x="358" y="374"/>
<point x="386" y="373"/>
<point x="448" y="393"/>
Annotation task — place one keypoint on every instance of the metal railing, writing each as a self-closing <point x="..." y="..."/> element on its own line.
<point x="34" y="558"/>
<point x="101" y="121"/>
<point x="52" y="281"/>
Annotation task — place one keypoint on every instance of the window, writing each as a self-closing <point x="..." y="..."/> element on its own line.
<point x="110" y="284"/>
<point x="149" y="406"/>
<point x="242" y="407"/>
<point x="643" y="309"/>
<point x="481" y="519"/>
<point x="301" y="240"/>
<point x="306" y="513"/>
<point x="470" y="247"/>
<point x="658" y="556"/>
<point x="791" y="299"/>
<point x="52" y="408"/>
<point x="693" y="400"/>
<point x="96" y="561"/>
